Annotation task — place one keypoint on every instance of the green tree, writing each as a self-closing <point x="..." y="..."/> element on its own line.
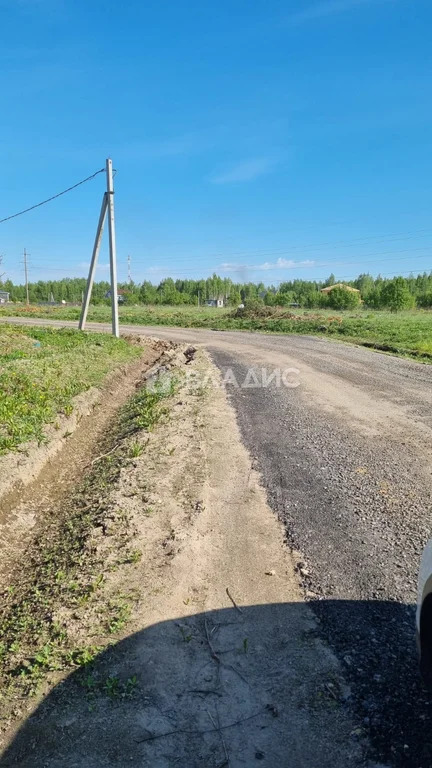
<point x="342" y="298"/>
<point x="374" y="298"/>
<point x="396" y="296"/>
<point x="331" y="280"/>
<point x="425" y="300"/>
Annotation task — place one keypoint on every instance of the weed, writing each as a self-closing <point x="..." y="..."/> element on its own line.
<point x="81" y="657"/>
<point x="131" y="685"/>
<point x="89" y="683"/>
<point x="187" y="637"/>
<point x="134" y="556"/>
<point x="135" y="450"/>
<point x="112" y="687"/>
<point x="120" y="612"/>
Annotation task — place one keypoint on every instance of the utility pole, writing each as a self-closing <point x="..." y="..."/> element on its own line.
<point x="26" y="275"/>
<point x="93" y="263"/>
<point x="129" y="269"/>
<point x="107" y="207"/>
<point x="112" y="248"/>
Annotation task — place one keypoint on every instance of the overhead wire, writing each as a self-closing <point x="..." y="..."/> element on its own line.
<point x="53" y="197"/>
<point x="392" y="237"/>
<point x="179" y="273"/>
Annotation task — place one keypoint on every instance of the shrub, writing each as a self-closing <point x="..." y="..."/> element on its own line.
<point x="425" y="300"/>
<point x="342" y="298"/>
<point x="396" y="296"/>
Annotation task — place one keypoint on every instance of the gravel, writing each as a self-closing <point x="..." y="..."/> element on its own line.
<point x="359" y="510"/>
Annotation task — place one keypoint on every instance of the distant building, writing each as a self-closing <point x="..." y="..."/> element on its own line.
<point x="339" y="285"/>
<point x="4" y="297"/>
<point x="121" y="295"/>
<point x="219" y="302"/>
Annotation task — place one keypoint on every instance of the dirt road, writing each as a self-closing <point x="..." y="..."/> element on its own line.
<point x="344" y="452"/>
<point x="221" y="662"/>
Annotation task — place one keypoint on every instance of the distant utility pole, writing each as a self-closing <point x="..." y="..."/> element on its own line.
<point x="26" y="275"/>
<point x="129" y="269"/>
<point x="107" y="207"/>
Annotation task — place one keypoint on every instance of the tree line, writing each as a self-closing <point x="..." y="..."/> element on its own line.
<point x="377" y="293"/>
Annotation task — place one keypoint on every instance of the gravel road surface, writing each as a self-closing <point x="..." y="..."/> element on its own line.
<point x="345" y="455"/>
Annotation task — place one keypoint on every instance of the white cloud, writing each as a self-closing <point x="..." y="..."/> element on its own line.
<point x="248" y="170"/>
<point x="266" y="265"/>
<point x="326" y="8"/>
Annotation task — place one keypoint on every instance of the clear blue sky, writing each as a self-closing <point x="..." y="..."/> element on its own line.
<point x="262" y="140"/>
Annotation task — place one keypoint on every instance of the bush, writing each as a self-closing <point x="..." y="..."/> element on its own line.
<point x="425" y="300"/>
<point x="396" y="296"/>
<point x="342" y="298"/>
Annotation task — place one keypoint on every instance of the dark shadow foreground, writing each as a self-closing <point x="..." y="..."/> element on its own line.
<point x="167" y="680"/>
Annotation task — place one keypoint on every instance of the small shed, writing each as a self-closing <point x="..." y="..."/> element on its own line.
<point x="121" y="295"/>
<point x="4" y="297"/>
<point x="219" y="302"/>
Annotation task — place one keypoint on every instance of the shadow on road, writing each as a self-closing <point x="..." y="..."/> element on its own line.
<point x="198" y="691"/>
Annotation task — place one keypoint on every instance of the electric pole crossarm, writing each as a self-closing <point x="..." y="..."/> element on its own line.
<point x="93" y="263"/>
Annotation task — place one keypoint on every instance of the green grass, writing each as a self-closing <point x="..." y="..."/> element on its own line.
<point x="404" y="333"/>
<point x="42" y="369"/>
<point x="186" y="316"/>
<point x="62" y="574"/>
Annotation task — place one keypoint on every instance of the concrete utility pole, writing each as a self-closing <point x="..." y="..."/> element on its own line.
<point x="93" y="263"/>
<point x="106" y="207"/>
<point x="112" y="247"/>
<point x="26" y="275"/>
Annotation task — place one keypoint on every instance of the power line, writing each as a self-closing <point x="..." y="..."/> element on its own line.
<point x="304" y="279"/>
<point x="251" y="267"/>
<point x="391" y="237"/>
<point x="48" y="200"/>
<point x="288" y="253"/>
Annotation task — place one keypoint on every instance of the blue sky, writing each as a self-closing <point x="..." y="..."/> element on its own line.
<point x="262" y="140"/>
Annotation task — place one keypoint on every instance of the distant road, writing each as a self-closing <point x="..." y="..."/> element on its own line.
<point x="346" y="458"/>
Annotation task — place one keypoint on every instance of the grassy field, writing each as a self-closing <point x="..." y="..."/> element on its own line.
<point x="42" y="369"/>
<point x="404" y="333"/>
